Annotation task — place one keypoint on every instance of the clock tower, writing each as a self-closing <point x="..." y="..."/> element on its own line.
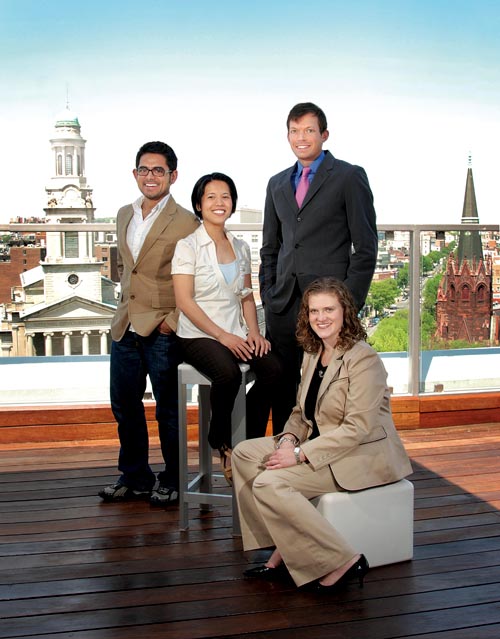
<point x="69" y="265"/>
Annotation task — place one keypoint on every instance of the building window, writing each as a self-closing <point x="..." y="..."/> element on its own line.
<point x="59" y="169"/>
<point x="481" y="294"/>
<point x="71" y="244"/>
<point x="465" y="293"/>
<point x="78" y="165"/>
<point x="69" y="164"/>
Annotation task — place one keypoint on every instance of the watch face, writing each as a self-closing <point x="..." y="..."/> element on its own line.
<point x="73" y="279"/>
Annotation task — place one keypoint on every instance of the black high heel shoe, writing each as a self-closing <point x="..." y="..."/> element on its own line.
<point x="265" y="572"/>
<point x="356" y="571"/>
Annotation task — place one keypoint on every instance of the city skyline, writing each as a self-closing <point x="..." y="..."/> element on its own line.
<point x="410" y="90"/>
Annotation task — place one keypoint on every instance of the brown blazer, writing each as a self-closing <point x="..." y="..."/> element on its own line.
<point x="358" y="439"/>
<point x="147" y="294"/>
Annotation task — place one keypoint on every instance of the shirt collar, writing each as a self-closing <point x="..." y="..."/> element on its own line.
<point x="313" y="166"/>
<point x="137" y="205"/>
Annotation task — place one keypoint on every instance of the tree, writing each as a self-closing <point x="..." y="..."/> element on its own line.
<point x="430" y="294"/>
<point x="403" y="276"/>
<point x="391" y="334"/>
<point x="382" y="294"/>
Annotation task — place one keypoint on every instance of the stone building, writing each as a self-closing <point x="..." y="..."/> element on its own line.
<point x="62" y="306"/>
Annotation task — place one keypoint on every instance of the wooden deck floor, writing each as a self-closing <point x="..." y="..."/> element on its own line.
<point x="73" y="567"/>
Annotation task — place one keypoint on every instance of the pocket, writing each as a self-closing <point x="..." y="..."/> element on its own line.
<point x="377" y="434"/>
<point x="162" y="300"/>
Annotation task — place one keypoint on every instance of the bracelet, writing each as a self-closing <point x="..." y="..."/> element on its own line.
<point x="287" y="439"/>
<point x="296" y="452"/>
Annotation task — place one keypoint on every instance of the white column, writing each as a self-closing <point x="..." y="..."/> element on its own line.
<point x="48" y="343"/>
<point x="85" y="342"/>
<point x="67" y="342"/>
<point x="29" y="347"/>
<point x="104" y="342"/>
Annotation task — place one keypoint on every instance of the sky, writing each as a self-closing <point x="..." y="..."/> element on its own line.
<point x="410" y="90"/>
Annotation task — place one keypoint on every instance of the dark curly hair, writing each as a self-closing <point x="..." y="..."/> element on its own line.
<point x="351" y="332"/>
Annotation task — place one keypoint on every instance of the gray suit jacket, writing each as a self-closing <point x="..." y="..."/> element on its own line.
<point x="147" y="294"/>
<point x="358" y="439"/>
<point x="333" y="234"/>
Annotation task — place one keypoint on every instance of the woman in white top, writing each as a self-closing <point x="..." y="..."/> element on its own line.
<point x="218" y="326"/>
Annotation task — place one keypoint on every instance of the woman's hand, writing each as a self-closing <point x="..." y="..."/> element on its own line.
<point x="283" y="457"/>
<point x="239" y="347"/>
<point x="260" y="346"/>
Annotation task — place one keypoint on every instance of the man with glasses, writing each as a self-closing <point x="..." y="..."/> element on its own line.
<point x="143" y="329"/>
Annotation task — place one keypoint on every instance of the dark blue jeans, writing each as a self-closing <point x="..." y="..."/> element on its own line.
<point x="132" y="359"/>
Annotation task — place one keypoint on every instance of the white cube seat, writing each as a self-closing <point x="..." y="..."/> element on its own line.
<point x="377" y="522"/>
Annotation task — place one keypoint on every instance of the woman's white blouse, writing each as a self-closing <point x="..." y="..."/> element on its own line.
<point x="195" y="255"/>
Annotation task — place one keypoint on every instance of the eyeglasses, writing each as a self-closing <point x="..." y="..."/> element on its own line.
<point x="158" y="171"/>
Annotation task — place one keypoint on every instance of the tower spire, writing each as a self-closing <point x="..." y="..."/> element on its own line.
<point x="469" y="242"/>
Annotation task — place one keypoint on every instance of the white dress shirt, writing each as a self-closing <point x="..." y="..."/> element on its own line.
<point x="138" y="227"/>
<point x="196" y="255"/>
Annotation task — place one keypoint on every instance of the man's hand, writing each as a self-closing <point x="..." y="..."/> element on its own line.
<point x="164" y="328"/>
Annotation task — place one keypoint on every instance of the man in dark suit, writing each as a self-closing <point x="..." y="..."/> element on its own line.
<point x="330" y="231"/>
<point x="143" y="328"/>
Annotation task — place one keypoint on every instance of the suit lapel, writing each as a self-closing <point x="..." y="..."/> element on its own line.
<point x="164" y="219"/>
<point x="331" y="374"/>
<point x="322" y="174"/>
<point x="287" y="190"/>
<point x="126" y="255"/>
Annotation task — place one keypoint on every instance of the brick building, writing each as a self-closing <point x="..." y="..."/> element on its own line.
<point x="464" y="298"/>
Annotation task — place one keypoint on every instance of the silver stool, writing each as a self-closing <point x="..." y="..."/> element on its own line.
<point x="200" y="490"/>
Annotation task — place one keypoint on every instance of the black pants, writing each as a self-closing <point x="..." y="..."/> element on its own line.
<point x="219" y="364"/>
<point x="280" y="331"/>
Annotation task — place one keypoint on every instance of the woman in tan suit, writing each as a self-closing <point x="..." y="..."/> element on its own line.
<point x="340" y="436"/>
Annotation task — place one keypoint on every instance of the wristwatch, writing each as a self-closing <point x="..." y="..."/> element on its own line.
<point x="296" y="452"/>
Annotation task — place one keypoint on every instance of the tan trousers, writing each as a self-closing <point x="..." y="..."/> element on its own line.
<point x="275" y="510"/>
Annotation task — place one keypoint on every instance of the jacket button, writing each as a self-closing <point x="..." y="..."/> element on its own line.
<point x="134" y="272"/>
<point x="297" y="245"/>
<point x="132" y="297"/>
<point x="299" y="219"/>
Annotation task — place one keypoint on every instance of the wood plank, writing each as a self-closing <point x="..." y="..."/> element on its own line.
<point x="71" y="566"/>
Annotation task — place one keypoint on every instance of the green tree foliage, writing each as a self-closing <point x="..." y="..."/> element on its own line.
<point x="391" y="334"/>
<point x="430" y="294"/>
<point x="382" y="294"/>
<point x="427" y="264"/>
<point x="403" y="276"/>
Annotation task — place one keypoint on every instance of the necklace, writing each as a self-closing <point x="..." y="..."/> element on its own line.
<point x="321" y="370"/>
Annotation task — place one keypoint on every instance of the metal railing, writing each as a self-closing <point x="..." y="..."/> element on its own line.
<point x="415" y="231"/>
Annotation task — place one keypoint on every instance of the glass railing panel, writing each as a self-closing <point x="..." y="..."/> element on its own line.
<point x="402" y="324"/>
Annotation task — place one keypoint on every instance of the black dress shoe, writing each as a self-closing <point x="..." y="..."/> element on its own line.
<point x="264" y="572"/>
<point x="356" y="571"/>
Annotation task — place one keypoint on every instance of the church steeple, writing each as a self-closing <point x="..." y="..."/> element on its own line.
<point x="469" y="242"/>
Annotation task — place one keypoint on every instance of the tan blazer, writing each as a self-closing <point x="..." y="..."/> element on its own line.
<point x="147" y="294"/>
<point x="358" y="438"/>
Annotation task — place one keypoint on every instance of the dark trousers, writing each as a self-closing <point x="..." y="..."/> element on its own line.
<point x="219" y="364"/>
<point x="132" y="359"/>
<point x="280" y="331"/>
